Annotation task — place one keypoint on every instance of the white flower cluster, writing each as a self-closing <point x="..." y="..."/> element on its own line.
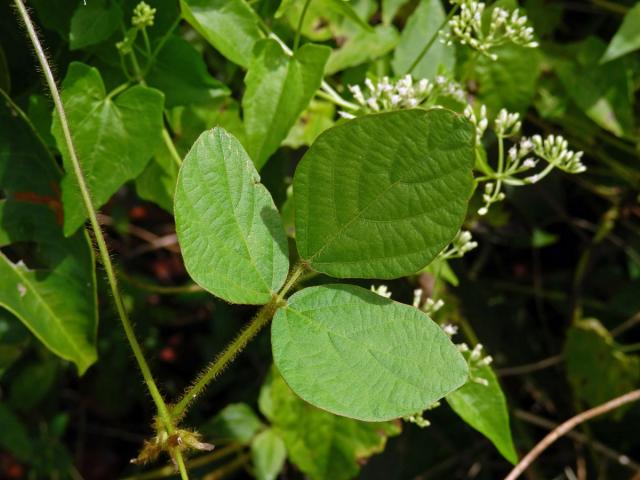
<point x="461" y="244"/>
<point x="555" y="150"/>
<point x="143" y="15"/>
<point x="521" y="157"/>
<point x="504" y="27"/>
<point x="404" y="93"/>
<point x="418" y="418"/>
<point x="430" y="305"/>
<point x="476" y="359"/>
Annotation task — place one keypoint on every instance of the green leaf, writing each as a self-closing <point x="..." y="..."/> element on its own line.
<point x="180" y="72"/>
<point x="32" y="385"/>
<point x="114" y="139"/>
<point x="237" y="422"/>
<point x="279" y="88"/>
<point x="390" y="8"/>
<point x="509" y="82"/>
<point x="93" y="22"/>
<point x="344" y="8"/>
<point x="627" y="38"/>
<point x="14" y="339"/>
<point x="380" y="196"/>
<point x="268" y="453"/>
<point x="425" y="22"/>
<point x="14" y="438"/>
<point x="602" y="92"/>
<point x="157" y="183"/>
<point x="322" y="445"/>
<point x="230" y="26"/>
<point x="354" y="353"/>
<point x="229" y="229"/>
<point x="54" y="293"/>
<point x="363" y="47"/>
<point x="596" y="366"/>
<point x="313" y="121"/>
<point x="485" y="409"/>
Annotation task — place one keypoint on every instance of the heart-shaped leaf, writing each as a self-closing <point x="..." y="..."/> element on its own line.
<point x="354" y="353"/>
<point x="380" y="196"/>
<point x="229" y="229"/>
<point x="114" y="138"/>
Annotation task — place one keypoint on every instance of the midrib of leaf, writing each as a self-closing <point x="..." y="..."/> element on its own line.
<point x="359" y="214"/>
<point x="368" y="347"/>
<point x="235" y="216"/>
<point x="46" y="307"/>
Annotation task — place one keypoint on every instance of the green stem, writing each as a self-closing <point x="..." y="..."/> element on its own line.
<point x="296" y="40"/>
<point x="181" y="466"/>
<point x="168" y="141"/>
<point x="160" y="45"/>
<point x="611" y="6"/>
<point x="261" y="319"/>
<point x="330" y="94"/>
<point x="147" y="44"/>
<point x="159" y="289"/>
<point x="433" y="38"/>
<point x="117" y="90"/>
<point x="86" y="199"/>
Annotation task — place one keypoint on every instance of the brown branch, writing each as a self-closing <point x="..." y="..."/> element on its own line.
<point x="566" y="427"/>
<point x="608" y="452"/>
<point x="529" y="367"/>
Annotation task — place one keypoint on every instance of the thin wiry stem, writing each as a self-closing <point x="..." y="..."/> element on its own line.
<point x="161" y="406"/>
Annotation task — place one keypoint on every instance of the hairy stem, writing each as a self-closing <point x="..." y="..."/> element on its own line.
<point x="566" y="427"/>
<point x="261" y="319"/>
<point x="86" y="199"/>
<point x="433" y="38"/>
<point x="161" y="406"/>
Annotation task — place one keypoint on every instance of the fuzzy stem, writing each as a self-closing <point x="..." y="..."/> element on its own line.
<point x="433" y="38"/>
<point x="95" y="226"/>
<point x="261" y="319"/>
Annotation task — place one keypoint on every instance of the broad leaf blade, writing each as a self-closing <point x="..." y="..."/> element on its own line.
<point x="56" y="297"/>
<point x="114" y="138"/>
<point x="363" y="47"/>
<point x="93" y="22"/>
<point x="279" y="88"/>
<point x="230" y="26"/>
<point x="181" y="73"/>
<point x="597" y="367"/>
<point x="485" y="409"/>
<point x="229" y="229"/>
<point x="322" y="445"/>
<point x="627" y="38"/>
<point x="354" y="353"/>
<point x="269" y="454"/>
<point x="424" y="22"/>
<point x="380" y="196"/>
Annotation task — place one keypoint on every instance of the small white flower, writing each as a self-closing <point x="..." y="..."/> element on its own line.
<point x="382" y="290"/>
